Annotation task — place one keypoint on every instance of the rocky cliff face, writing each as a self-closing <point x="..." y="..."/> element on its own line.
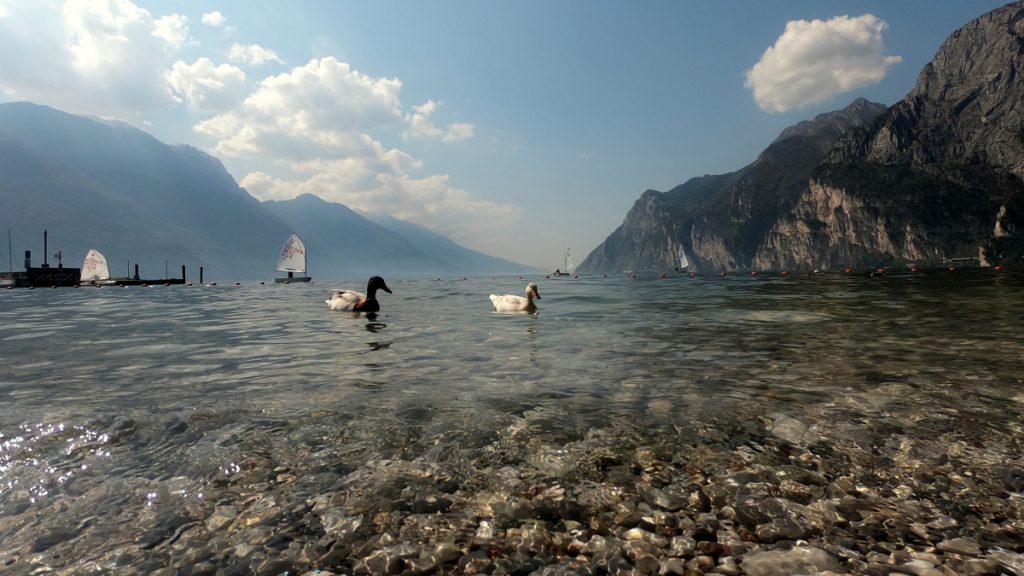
<point x="966" y="107"/>
<point x="939" y="175"/>
<point x="720" y="221"/>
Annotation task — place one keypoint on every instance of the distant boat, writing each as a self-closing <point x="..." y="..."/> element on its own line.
<point x="292" y="260"/>
<point x="95" y="270"/>
<point x="570" y="266"/>
<point x="683" y="262"/>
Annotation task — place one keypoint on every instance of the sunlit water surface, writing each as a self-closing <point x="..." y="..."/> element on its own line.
<point x="131" y="396"/>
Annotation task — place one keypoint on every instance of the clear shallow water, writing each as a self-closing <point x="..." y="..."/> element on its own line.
<point x="146" y="406"/>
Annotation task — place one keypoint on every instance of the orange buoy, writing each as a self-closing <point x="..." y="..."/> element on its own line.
<point x="754" y="273"/>
<point x="998" y="268"/>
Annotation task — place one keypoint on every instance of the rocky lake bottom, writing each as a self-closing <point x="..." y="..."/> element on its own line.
<point x="812" y="425"/>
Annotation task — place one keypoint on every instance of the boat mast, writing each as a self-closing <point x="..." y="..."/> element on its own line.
<point x="10" y="251"/>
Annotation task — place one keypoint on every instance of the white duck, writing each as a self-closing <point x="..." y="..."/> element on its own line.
<point x="352" y="301"/>
<point x="510" y="303"/>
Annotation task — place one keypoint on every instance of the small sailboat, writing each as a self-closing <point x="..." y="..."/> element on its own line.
<point x="292" y="260"/>
<point x="683" y="262"/>
<point x="95" y="270"/>
<point x="570" y="266"/>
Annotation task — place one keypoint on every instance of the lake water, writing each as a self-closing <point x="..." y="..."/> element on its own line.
<point x="247" y="428"/>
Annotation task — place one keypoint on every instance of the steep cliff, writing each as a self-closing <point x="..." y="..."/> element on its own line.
<point x="720" y="221"/>
<point x="938" y="176"/>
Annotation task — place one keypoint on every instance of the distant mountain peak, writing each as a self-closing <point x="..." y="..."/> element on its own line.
<point x="835" y="123"/>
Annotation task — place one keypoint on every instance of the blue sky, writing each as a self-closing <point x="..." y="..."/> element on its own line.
<point x="515" y="128"/>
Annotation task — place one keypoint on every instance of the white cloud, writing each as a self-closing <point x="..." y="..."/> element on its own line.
<point x="324" y="105"/>
<point x="815" y="60"/>
<point x="214" y="19"/>
<point x="253" y="54"/>
<point x="459" y="131"/>
<point x="106" y="58"/>
<point x="315" y="123"/>
<point x="172" y="29"/>
<point x="207" y="87"/>
<point x="421" y="126"/>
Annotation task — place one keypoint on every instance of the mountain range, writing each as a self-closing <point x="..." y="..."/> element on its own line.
<point x="97" y="184"/>
<point x="937" y="177"/>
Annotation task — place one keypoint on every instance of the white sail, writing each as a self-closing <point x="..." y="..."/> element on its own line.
<point x="95" y="267"/>
<point x="683" y="262"/>
<point x="569" y="264"/>
<point x="293" y="256"/>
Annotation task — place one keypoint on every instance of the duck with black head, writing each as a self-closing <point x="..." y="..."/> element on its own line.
<point x="351" y="301"/>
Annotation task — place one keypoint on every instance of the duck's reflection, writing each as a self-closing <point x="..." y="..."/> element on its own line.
<point x="374" y="327"/>
<point x="531" y="333"/>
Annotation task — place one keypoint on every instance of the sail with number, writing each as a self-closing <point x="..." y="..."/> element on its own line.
<point x="95" y="267"/>
<point x="293" y="256"/>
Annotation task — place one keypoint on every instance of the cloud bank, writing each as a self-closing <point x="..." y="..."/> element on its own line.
<point x="106" y="58"/>
<point x="318" y="123"/>
<point x="815" y="60"/>
<point x="205" y="86"/>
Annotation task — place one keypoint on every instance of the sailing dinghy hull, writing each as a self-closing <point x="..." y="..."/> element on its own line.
<point x="292" y="260"/>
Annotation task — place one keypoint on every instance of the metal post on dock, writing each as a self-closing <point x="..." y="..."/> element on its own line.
<point x="182" y="272"/>
<point x="200" y="275"/>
